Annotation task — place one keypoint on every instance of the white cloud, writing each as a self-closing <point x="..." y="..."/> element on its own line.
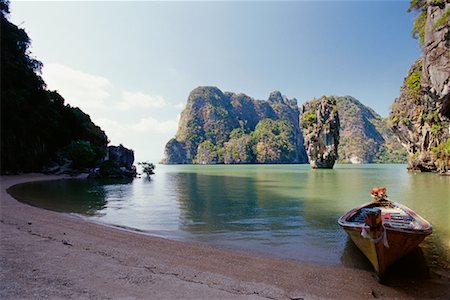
<point x="132" y="100"/>
<point x="121" y="120"/>
<point x="111" y="127"/>
<point x="179" y="105"/>
<point x="78" y="88"/>
<point x="151" y="125"/>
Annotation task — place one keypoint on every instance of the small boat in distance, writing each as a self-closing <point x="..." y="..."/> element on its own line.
<point x="384" y="231"/>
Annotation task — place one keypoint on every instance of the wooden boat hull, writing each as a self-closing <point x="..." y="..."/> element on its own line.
<point x="395" y="241"/>
<point x="378" y="254"/>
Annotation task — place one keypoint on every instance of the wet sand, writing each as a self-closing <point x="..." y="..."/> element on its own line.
<point x="45" y="254"/>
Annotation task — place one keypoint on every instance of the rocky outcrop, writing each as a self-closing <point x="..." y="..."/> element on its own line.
<point x="416" y="120"/>
<point x="420" y="115"/>
<point x="175" y="153"/>
<point x="118" y="163"/>
<point x="320" y="126"/>
<point x="217" y="127"/>
<point x="365" y="136"/>
<point x="123" y="157"/>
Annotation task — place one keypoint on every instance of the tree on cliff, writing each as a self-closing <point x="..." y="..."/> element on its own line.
<point x="35" y="122"/>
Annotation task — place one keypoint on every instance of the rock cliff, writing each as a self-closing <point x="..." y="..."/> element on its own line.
<point x="365" y="136"/>
<point x="420" y="115"/>
<point x="217" y="127"/>
<point x="436" y="53"/>
<point x="118" y="163"/>
<point x="122" y="156"/>
<point x="320" y="126"/>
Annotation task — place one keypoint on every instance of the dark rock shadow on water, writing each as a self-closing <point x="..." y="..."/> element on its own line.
<point x="81" y="196"/>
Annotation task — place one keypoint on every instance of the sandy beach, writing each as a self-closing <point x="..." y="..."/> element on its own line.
<point x="45" y="254"/>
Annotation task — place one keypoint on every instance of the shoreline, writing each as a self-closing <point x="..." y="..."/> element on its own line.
<point x="56" y="255"/>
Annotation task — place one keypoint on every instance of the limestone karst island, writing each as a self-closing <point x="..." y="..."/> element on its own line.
<point x="225" y="150"/>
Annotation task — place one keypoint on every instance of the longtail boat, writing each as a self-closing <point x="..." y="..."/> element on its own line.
<point x="384" y="231"/>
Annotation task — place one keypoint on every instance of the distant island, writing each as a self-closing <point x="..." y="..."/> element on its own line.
<point x="229" y="128"/>
<point x="217" y="127"/>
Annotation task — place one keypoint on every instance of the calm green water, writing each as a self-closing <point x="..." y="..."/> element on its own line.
<point x="287" y="211"/>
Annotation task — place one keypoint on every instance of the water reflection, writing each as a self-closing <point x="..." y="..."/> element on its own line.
<point x="87" y="197"/>
<point x="211" y="203"/>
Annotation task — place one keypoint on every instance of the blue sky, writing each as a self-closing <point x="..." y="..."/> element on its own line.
<point x="131" y="65"/>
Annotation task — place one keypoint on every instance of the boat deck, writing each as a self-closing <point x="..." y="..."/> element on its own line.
<point x="391" y="216"/>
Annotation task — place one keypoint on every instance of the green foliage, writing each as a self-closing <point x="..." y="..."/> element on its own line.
<point x="237" y="133"/>
<point x="308" y="119"/>
<point x="81" y="154"/>
<point x="207" y="153"/>
<point x="416" y="5"/>
<point x="273" y="141"/>
<point x="420" y="6"/>
<point x="219" y="127"/>
<point x="436" y="129"/>
<point x="194" y="133"/>
<point x="413" y="81"/>
<point x="442" y="154"/>
<point x="433" y="118"/>
<point x="239" y="150"/>
<point x="387" y="154"/>
<point x="365" y="136"/>
<point x="443" y="20"/>
<point x="394" y="120"/>
<point x="147" y="167"/>
<point x="418" y="30"/>
<point x="35" y="122"/>
<point x="405" y="121"/>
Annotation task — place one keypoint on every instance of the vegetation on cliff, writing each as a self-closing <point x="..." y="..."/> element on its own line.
<point x="421" y="8"/>
<point x="273" y="142"/>
<point x="217" y="127"/>
<point x="364" y="136"/>
<point x="416" y="121"/>
<point x="35" y="122"/>
<point x="269" y="131"/>
<point x="420" y="115"/>
<point x="320" y="124"/>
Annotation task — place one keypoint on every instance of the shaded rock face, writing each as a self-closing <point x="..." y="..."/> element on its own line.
<point x="320" y="126"/>
<point x="215" y="125"/>
<point x="122" y="156"/>
<point x="420" y="115"/>
<point x="118" y="163"/>
<point x="436" y="56"/>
